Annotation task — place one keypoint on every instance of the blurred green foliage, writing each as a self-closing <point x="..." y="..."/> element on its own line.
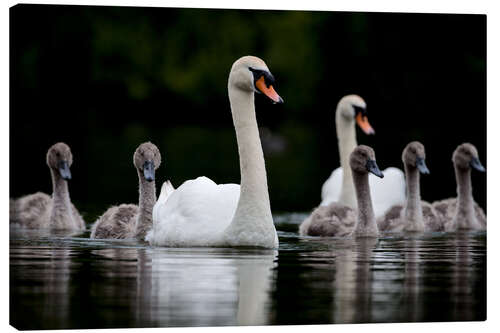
<point x="105" y="79"/>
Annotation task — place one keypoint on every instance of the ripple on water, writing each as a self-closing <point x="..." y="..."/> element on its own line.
<point x="65" y="280"/>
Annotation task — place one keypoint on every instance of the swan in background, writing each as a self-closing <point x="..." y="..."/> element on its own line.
<point x="128" y="220"/>
<point x="339" y="186"/>
<point x="415" y="214"/>
<point x="341" y="220"/>
<point x="39" y="210"/>
<point x="202" y="213"/>
<point x="463" y="212"/>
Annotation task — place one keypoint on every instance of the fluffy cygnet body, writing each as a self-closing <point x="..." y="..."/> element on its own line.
<point x="341" y="220"/>
<point x="463" y="212"/>
<point x="415" y="215"/>
<point x="128" y="220"/>
<point x="41" y="211"/>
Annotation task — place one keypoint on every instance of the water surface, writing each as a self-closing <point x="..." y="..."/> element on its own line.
<point x="61" y="280"/>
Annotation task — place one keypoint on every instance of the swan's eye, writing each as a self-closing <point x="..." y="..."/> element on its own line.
<point x="359" y="109"/>
<point x="258" y="73"/>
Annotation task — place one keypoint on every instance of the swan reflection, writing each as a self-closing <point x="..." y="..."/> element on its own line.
<point x="201" y="287"/>
<point x="353" y="281"/>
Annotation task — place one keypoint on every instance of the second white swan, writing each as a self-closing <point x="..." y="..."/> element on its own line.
<point x="339" y="186"/>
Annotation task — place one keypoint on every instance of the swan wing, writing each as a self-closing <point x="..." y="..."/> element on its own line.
<point x="195" y="214"/>
<point x="333" y="220"/>
<point x="330" y="192"/>
<point x="31" y="211"/>
<point x="432" y="219"/>
<point x="166" y="189"/>
<point x="388" y="191"/>
<point x="392" y="220"/>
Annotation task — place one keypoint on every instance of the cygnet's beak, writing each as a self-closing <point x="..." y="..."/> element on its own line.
<point x="149" y="171"/>
<point x="63" y="168"/>
<point x="371" y="166"/>
<point x="261" y="86"/>
<point x="421" y="166"/>
<point x="476" y="164"/>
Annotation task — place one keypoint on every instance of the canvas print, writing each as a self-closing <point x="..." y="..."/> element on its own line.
<point x="184" y="167"/>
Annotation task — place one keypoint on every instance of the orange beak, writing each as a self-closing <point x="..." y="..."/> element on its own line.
<point x="269" y="92"/>
<point x="364" y="124"/>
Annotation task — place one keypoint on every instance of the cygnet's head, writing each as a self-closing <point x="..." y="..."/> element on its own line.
<point x="362" y="160"/>
<point x="251" y="74"/>
<point x="353" y="107"/>
<point x="59" y="158"/>
<point x="414" y="156"/>
<point x="147" y="159"/>
<point x="466" y="157"/>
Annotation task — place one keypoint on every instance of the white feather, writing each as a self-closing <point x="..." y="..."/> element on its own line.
<point x="195" y="214"/>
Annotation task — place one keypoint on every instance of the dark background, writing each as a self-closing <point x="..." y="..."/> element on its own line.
<point x="105" y="79"/>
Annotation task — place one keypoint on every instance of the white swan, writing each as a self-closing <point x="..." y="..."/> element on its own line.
<point x="339" y="186"/>
<point x="202" y="213"/>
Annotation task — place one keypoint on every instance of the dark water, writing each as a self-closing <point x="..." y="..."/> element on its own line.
<point x="69" y="281"/>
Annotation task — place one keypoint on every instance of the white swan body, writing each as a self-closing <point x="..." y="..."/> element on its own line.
<point x="202" y="213"/>
<point x="197" y="214"/>
<point x="339" y="186"/>
<point x="166" y="189"/>
<point x="394" y="180"/>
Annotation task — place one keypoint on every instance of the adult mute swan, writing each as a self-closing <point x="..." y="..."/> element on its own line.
<point x="128" y="220"/>
<point x="39" y="210"/>
<point x="340" y="220"/>
<point x="202" y="213"/>
<point x="339" y="186"/>
<point x="415" y="214"/>
<point x="463" y="212"/>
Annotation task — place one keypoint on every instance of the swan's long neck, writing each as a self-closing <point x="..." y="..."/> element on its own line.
<point x="252" y="217"/>
<point x="147" y="200"/>
<point x="365" y="225"/>
<point x="346" y="135"/>
<point x="464" y="216"/>
<point x="413" y="209"/>
<point x="61" y="203"/>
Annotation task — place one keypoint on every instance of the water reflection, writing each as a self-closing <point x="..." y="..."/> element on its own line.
<point x="203" y="287"/>
<point x="466" y="273"/>
<point x="353" y="281"/>
<point x="191" y="287"/>
<point x="68" y="281"/>
<point x="412" y="280"/>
